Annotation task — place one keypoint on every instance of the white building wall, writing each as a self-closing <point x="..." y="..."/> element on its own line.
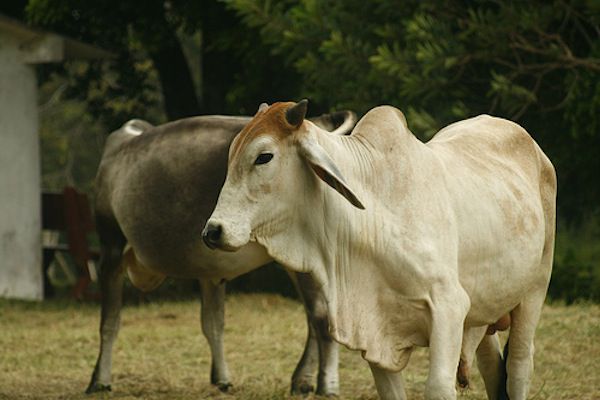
<point x="20" y="208"/>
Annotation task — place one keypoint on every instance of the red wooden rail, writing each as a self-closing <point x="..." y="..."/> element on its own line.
<point x="69" y="212"/>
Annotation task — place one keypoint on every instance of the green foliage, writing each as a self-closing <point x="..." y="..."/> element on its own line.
<point x="576" y="271"/>
<point x="574" y="280"/>
<point x="125" y="87"/>
<point x="233" y="72"/>
<point x="71" y="137"/>
<point x="534" y="62"/>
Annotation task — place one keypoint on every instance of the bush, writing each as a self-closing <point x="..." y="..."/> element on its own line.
<point x="576" y="272"/>
<point x="574" y="279"/>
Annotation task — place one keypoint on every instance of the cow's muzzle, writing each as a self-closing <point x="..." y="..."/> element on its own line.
<point x="212" y="235"/>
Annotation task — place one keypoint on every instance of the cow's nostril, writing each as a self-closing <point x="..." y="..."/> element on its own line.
<point x="212" y="235"/>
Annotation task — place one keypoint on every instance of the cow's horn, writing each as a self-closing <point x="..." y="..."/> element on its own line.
<point x="295" y="114"/>
<point x="262" y="107"/>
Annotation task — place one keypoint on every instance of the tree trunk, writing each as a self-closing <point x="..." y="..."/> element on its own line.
<point x="176" y="81"/>
<point x="219" y="63"/>
<point x="166" y="53"/>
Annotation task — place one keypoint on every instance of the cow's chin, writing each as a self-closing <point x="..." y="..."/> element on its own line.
<point x="229" y="248"/>
<point x="233" y="245"/>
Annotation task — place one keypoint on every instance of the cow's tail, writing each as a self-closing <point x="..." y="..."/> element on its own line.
<point x="502" y="393"/>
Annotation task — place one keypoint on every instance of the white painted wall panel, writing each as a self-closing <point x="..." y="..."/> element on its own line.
<point x="20" y="215"/>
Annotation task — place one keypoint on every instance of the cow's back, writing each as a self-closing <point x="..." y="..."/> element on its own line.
<point x="494" y="150"/>
<point x="482" y="137"/>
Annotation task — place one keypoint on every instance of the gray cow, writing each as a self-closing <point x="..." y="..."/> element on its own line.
<point x="155" y="189"/>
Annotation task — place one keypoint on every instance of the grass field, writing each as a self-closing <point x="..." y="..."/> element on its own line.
<point x="47" y="351"/>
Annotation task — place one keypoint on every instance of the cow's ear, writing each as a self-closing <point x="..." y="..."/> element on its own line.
<point x="324" y="167"/>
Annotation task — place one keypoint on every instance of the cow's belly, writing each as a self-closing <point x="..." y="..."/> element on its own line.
<point x="498" y="283"/>
<point x="501" y="238"/>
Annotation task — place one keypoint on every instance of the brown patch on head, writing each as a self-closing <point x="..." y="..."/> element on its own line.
<point x="271" y="122"/>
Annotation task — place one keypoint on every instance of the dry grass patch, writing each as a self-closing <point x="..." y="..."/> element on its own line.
<point x="47" y="350"/>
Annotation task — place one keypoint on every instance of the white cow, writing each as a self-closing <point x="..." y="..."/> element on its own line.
<point x="155" y="189"/>
<point x="432" y="239"/>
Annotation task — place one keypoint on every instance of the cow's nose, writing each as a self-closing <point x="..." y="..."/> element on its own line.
<point x="212" y="235"/>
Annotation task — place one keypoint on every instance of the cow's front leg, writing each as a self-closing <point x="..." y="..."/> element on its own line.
<point x="449" y="307"/>
<point x="390" y="385"/>
<point x="111" y="287"/>
<point x="212" y="317"/>
<point x="328" y="378"/>
<point x="304" y="373"/>
<point x="319" y="340"/>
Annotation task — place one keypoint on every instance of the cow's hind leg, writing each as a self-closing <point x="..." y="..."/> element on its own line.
<point x="212" y="317"/>
<point x="319" y="339"/>
<point x="519" y="364"/>
<point x="489" y="360"/>
<point x="525" y="317"/>
<point x="471" y="339"/>
<point x="111" y="275"/>
<point x="491" y="367"/>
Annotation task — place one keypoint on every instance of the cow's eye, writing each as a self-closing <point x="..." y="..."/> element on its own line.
<point x="263" y="158"/>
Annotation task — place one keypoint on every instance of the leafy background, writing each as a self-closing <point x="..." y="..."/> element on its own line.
<point x="535" y="62"/>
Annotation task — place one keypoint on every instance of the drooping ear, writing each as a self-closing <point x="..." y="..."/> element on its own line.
<point x="324" y="167"/>
<point x="262" y="107"/>
<point x="295" y="114"/>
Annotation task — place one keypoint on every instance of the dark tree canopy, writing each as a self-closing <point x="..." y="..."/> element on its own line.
<point x="237" y="70"/>
<point x="535" y="62"/>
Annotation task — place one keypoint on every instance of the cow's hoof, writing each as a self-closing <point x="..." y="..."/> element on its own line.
<point x="223" y="386"/>
<point x="302" y="388"/>
<point x="328" y="391"/>
<point x="96" y="387"/>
